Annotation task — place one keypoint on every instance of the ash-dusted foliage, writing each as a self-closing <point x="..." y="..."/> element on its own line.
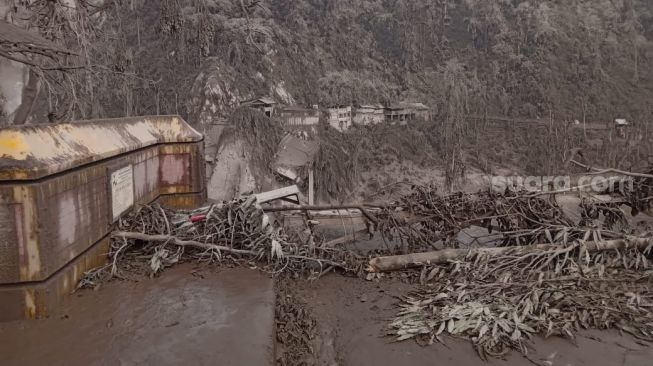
<point x="501" y="303"/>
<point x="570" y="58"/>
<point x="343" y="157"/>
<point x="261" y="134"/>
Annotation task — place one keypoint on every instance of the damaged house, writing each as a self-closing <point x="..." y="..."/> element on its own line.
<point x="266" y="105"/>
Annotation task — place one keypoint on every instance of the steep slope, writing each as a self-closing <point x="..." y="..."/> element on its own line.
<point x="520" y="58"/>
<point x="570" y="59"/>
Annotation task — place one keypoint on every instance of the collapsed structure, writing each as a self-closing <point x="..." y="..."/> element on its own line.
<point x="64" y="187"/>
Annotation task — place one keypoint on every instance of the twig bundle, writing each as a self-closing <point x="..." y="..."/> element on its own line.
<point x="425" y="217"/>
<point x="153" y="238"/>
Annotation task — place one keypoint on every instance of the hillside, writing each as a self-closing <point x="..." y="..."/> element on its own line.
<point x="566" y="59"/>
<point x="516" y="58"/>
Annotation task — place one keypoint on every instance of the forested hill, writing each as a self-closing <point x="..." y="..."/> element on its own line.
<point x="504" y="57"/>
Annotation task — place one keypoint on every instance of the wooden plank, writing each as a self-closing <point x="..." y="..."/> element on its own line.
<point x="277" y="194"/>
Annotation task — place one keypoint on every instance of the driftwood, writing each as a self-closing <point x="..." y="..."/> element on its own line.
<point x="398" y="262"/>
<point x="363" y="208"/>
<point x="182" y="243"/>
<point x="597" y="171"/>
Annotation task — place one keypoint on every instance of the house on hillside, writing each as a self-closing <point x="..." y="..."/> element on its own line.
<point x="621" y="124"/>
<point x="298" y="116"/>
<point x="369" y="114"/>
<point x="266" y="105"/>
<point x="399" y="113"/>
<point x="340" y="117"/>
<point x="403" y="112"/>
<point x="420" y="109"/>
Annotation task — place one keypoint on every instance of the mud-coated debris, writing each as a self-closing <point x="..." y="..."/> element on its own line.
<point x="296" y="329"/>
<point x="153" y="238"/>
<point x="501" y="303"/>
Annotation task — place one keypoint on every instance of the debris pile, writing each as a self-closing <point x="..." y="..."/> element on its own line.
<point x="424" y="218"/>
<point x="545" y="276"/>
<point x="501" y="302"/>
<point x="295" y="328"/>
<point x="153" y="238"/>
<point x="640" y="194"/>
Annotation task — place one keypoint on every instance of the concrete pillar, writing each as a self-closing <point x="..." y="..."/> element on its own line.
<point x="311" y="183"/>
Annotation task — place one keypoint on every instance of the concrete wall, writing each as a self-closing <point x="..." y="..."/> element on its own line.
<point x="300" y="118"/>
<point x="368" y="116"/>
<point x="50" y="222"/>
<point x="50" y="227"/>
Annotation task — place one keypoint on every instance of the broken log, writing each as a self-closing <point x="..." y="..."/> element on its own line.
<point x="597" y="171"/>
<point x="182" y="243"/>
<point x="398" y="262"/>
<point x="172" y="240"/>
<point x="362" y="208"/>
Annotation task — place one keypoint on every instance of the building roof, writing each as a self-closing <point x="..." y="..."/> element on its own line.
<point x="294" y="108"/>
<point x="418" y="106"/>
<point x="371" y="106"/>
<point x="35" y="151"/>
<point x="407" y="106"/>
<point x="261" y="100"/>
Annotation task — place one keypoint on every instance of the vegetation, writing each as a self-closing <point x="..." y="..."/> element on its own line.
<point x="570" y="59"/>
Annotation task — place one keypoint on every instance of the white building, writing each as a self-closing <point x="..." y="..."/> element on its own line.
<point x="340" y="117"/>
<point x="298" y="116"/>
<point x="369" y="114"/>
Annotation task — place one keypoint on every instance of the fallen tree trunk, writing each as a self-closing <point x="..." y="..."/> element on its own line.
<point x="397" y="262"/>
<point x="172" y="240"/>
<point x="183" y="243"/>
<point x="363" y="208"/>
